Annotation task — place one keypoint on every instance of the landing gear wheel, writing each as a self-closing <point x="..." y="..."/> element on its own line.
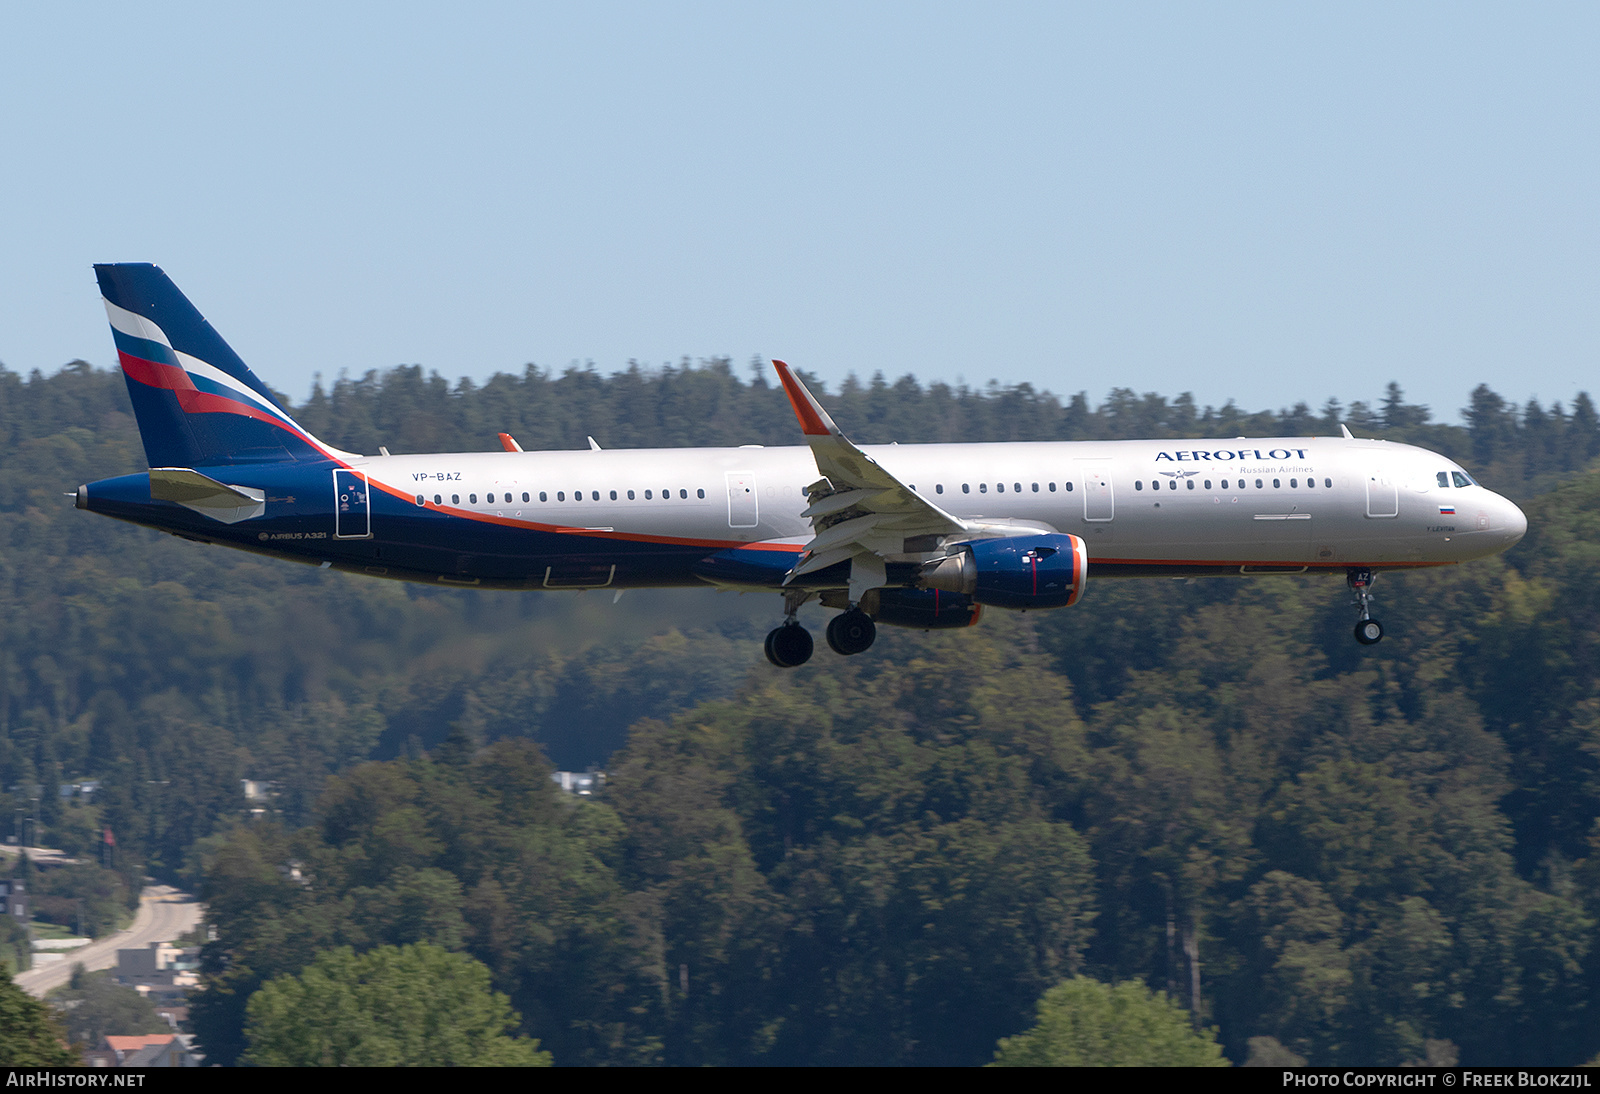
<point x="851" y="632"/>
<point x="1369" y="632"/>
<point x="789" y="645"/>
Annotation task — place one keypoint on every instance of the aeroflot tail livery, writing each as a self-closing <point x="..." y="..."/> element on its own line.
<point x="907" y="535"/>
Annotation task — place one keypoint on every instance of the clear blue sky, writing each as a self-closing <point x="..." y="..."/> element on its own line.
<point x="1262" y="202"/>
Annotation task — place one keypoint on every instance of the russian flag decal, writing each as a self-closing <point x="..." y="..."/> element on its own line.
<point x="1447" y="510"/>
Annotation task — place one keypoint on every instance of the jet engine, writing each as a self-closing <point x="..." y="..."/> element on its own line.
<point x="1044" y="571"/>
<point x="925" y="609"/>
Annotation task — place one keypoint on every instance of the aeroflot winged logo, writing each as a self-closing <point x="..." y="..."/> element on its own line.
<point x="1228" y="455"/>
<point x="148" y="357"/>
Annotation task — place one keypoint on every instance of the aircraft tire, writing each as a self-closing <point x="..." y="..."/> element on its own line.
<point x="789" y="646"/>
<point x="851" y="632"/>
<point x="1369" y="632"/>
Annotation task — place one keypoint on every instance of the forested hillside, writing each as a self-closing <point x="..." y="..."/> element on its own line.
<point x="1375" y="854"/>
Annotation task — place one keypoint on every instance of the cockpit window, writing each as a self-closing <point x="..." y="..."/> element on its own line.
<point x="1462" y="480"/>
<point x="1444" y="479"/>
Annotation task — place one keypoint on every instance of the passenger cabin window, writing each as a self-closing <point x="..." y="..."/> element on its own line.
<point x="701" y="493"/>
<point x="1017" y="486"/>
<point x="965" y="489"/>
<point x="455" y="499"/>
<point x="938" y="488"/>
<point x="1190" y="484"/>
<point x="1328" y="483"/>
<point x="630" y="495"/>
<point x="437" y="500"/>
<point x="983" y="488"/>
<point x="683" y="494"/>
<point x="1138" y="484"/>
<point x="1069" y="487"/>
<point x="421" y="500"/>
<point x="1053" y="487"/>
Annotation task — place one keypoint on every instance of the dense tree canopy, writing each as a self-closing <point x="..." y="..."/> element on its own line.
<point x="409" y="1006"/>
<point x="29" y="1033"/>
<point x="1344" y="854"/>
<point x="1084" y="1023"/>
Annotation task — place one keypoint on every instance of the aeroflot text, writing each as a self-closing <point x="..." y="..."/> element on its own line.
<point x="1226" y="455"/>
<point x="1427" y="1078"/>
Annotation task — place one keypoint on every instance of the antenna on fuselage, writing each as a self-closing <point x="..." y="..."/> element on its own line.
<point x="1346" y="431"/>
<point x="594" y="444"/>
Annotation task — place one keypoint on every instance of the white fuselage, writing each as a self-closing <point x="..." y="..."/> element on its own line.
<point x="1164" y="506"/>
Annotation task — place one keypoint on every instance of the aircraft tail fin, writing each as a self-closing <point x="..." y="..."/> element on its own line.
<point x="197" y="403"/>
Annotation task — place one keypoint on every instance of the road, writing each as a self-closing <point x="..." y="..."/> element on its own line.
<point x="164" y="914"/>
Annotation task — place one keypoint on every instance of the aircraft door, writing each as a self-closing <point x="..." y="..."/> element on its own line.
<point x="352" y="509"/>
<point x="1383" y="495"/>
<point x="1099" y="502"/>
<point x="744" y="504"/>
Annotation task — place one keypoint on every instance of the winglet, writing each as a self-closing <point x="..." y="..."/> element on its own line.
<point x="814" y="421"/>
<point x="509" y="443"/>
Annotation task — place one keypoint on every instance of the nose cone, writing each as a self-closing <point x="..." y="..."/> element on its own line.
<point x="1515" y="522"/>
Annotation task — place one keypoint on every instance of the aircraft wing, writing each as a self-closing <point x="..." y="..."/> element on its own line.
<point x="858" y="510"/>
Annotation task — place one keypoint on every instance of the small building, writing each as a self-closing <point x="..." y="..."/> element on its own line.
<point x="145" y="1050"/>
<point x="582" y="784"/>
<point x="14" y="899"/>
<point x="161" y="972"/>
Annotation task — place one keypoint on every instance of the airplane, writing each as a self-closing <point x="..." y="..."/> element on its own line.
<point x="921" y="536"/>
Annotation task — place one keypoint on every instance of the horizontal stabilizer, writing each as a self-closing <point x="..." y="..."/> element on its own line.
<point x="205" y="495"/>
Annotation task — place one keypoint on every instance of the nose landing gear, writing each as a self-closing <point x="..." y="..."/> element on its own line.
<point x="1369" y="632"/>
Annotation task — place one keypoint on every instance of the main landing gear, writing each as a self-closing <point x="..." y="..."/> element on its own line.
<point x="789" y="645"/>
<point x="851" y="632"/>
<point x="1369" y="632"/>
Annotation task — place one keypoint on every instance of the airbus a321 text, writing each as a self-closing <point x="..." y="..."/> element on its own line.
<point x="908" y="535"/>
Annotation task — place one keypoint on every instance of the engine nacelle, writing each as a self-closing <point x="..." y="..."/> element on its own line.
<point x="1044" y="571"/>
<point x="925" y="609"/>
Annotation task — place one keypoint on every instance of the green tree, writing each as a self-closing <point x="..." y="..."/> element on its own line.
<point x="29" y="1035"/>
<point x="1084" y="1023"/>
<point x="415" y="1006"/>
<point x="99" y="1005"/>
